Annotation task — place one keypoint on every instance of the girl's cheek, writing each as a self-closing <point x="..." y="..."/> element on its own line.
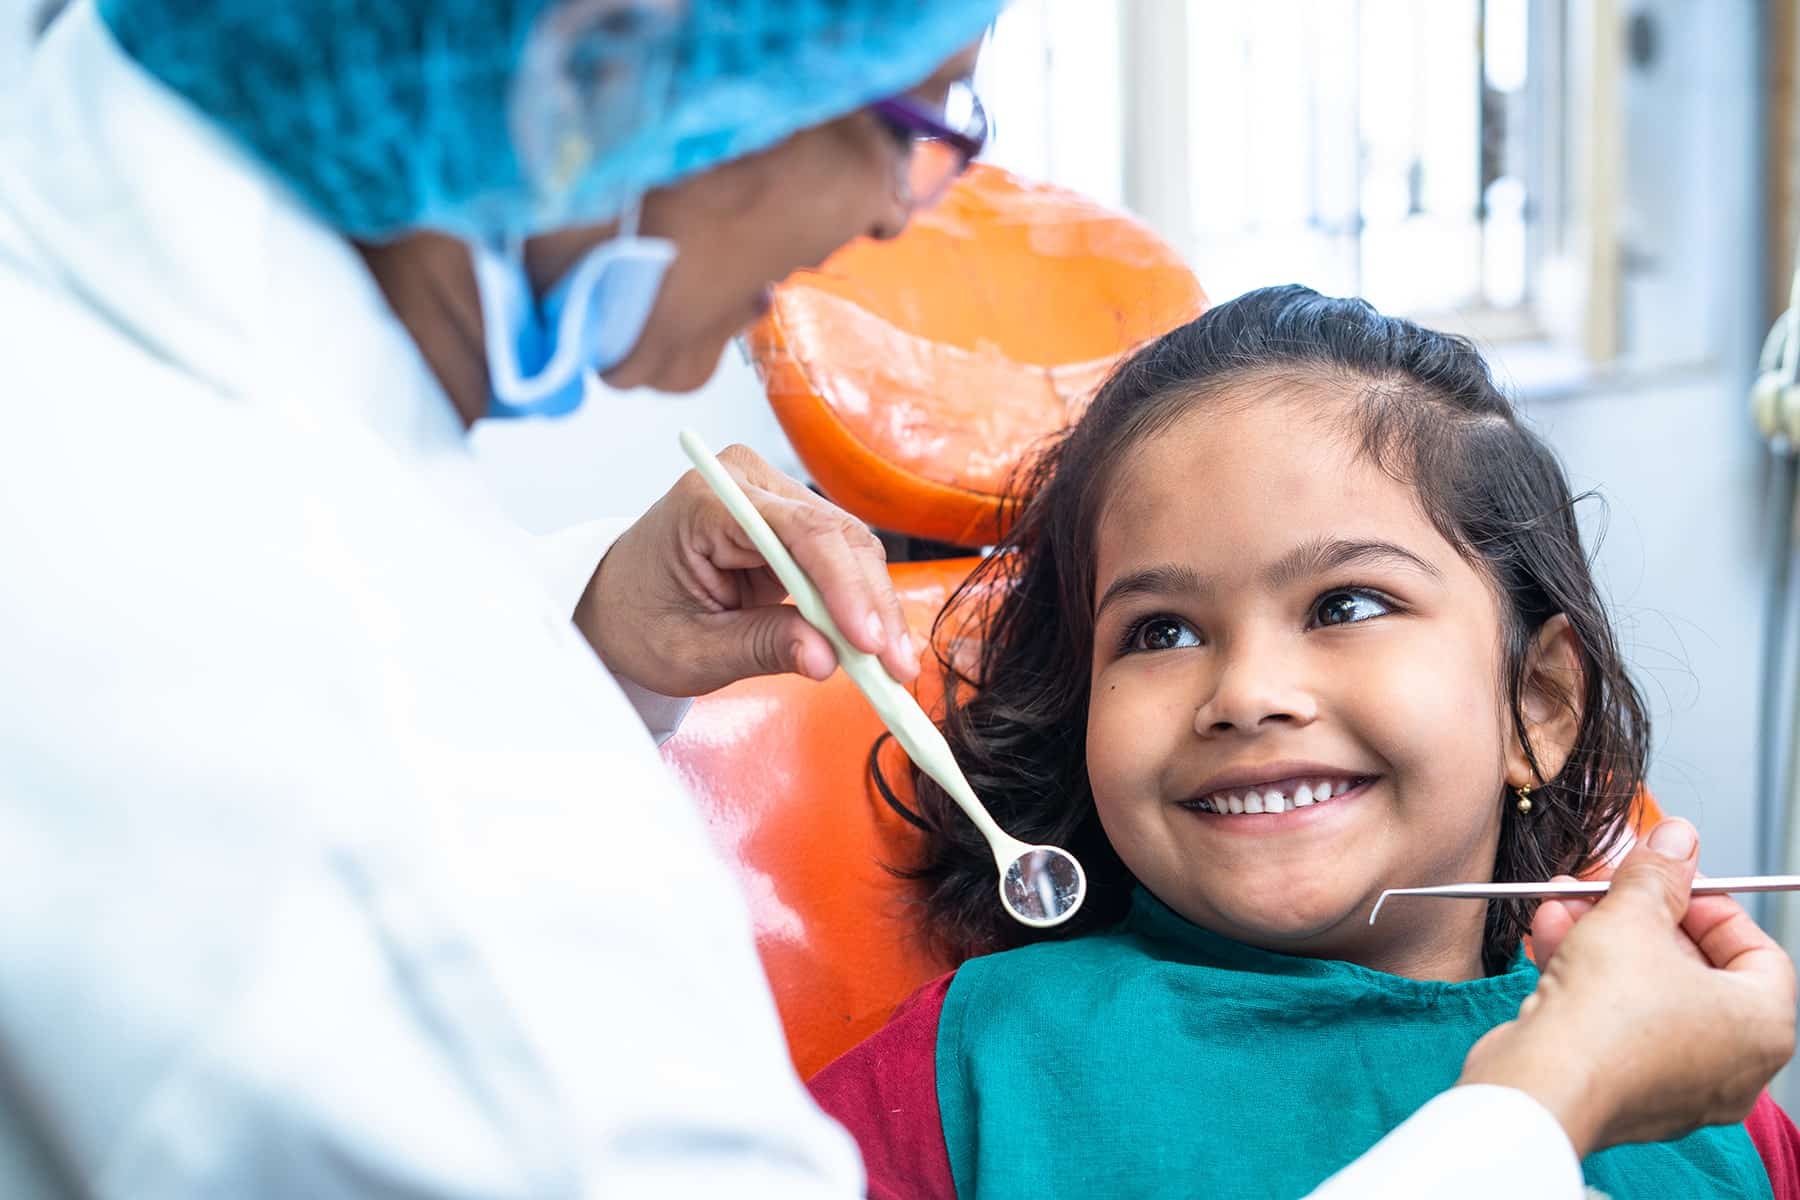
<point x="1121" y="736"/>
<point x="1430" y="710"/>
<point x="1102" y="739"/>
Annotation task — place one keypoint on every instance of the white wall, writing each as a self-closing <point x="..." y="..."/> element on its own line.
<point x="554" y="473"/>
<point x="1674" y="453"/>
<point x="1680" y="481"/>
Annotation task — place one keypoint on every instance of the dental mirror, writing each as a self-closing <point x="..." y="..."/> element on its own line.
<point x="1040" y="886"/>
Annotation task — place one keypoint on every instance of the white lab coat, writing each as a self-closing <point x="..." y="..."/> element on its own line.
<point x="332" y="862"/>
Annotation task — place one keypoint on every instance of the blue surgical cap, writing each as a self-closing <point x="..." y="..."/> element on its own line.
<point x="492" y="118"/>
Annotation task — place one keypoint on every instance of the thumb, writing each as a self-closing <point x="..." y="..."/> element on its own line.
<point x="1549" y="927"/>
<point x="1553" y="921"/>
<point x="1658" y="872"/>
<point x="772" y="640"/>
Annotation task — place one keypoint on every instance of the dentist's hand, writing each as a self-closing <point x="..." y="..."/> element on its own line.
<point x="683" y="603"/>
<point x="1655" y="1014"/>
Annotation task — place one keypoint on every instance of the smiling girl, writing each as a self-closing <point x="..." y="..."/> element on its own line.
<point x="1297" y="612"/>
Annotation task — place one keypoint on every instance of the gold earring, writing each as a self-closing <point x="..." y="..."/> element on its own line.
<point x="1524" y="791"/>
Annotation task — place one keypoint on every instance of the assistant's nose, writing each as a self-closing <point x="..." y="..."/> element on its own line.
<point x="896" y="207"/>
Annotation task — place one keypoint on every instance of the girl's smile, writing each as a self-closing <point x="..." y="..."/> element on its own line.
<point x="1287" y="797"/>
<point x="1294" y="705"/>
<point x="1277" y="788"/>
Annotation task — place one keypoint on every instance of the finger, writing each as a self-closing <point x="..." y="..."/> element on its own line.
<point x="1655" y="877"/>
<point x="732" y="574"/>
<point x="1576" y="906"/>
<point x="842" y="558"/>
<point x="724" y="544"/>
<point x="893" y="640"/>
<point x="767" y="641"/>
<point x="1553" y="920"/>
<point x="899" y="652"/>
<point x="735" y="574"/>
<point x="1548" y="928"/>
<point x="1725" y="933"/>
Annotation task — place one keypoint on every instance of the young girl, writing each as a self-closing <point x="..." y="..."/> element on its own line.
<point x="1297" y="612"/>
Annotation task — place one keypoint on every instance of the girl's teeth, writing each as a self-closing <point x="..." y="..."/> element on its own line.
<point x="1304" y="796"/>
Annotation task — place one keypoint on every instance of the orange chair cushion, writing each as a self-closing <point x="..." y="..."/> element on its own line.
<point x="914" y="376"/>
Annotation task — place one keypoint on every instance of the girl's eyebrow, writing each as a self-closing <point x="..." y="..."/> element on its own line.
<point x="1330" y="554"/>
<point x="1163" y="579"/>
<point x="1308" y="559"/>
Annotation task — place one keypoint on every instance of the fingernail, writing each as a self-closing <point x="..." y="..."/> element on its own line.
<point x="903" y="648"/>
<point x="877" y="629"/>
<point x="1675" y="839"/>
<point x="811" y="663"/>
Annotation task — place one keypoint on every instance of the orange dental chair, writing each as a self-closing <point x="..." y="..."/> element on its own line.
<point x="912" y="378"/>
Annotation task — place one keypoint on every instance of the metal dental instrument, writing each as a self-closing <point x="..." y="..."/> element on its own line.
<point x="1040" y="886"/>
<point x="1583" y="887"/>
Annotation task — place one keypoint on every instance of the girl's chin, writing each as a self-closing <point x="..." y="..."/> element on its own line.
<point x="1313" y="930"/>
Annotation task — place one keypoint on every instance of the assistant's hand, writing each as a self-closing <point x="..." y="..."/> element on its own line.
<point x="1654" y="1015"/>
<point x="684" y="604"/>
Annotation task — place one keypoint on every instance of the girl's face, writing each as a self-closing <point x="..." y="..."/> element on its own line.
<point x="1297" y="697"/>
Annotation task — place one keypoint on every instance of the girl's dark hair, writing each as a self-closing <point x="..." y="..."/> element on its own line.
<point x="1425" y="410"/>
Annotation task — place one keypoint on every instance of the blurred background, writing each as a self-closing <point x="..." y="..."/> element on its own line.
<point x="1602" y="192"/>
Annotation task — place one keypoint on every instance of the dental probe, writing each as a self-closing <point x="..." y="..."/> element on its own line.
<point x="1583" y="887"/>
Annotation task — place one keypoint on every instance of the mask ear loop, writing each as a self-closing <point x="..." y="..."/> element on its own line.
<point x="500" y="281"/>
<point x="503" y="283"/>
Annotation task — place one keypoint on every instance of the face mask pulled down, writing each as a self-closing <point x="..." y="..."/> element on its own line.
<point x="539" y="352"/>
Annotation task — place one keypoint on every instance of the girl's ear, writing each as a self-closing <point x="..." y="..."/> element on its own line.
<point x="1550" y="703"/>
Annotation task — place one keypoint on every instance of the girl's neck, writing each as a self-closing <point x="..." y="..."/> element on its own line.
<point x="1448" y="954"/>
<point x="1437" y="942"/>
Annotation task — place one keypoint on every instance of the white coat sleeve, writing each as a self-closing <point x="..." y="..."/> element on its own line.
<point x="1474" y="1143"/>
<point x="567" y="558"/>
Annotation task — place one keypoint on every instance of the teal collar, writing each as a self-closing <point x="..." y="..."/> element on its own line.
<point x="1180" y="940"/>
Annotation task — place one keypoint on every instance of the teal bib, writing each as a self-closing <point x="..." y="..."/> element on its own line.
<point x="1157" y="1059"/>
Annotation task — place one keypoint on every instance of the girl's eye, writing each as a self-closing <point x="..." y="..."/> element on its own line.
<point x="1162" y="633"/>
<point x="1349" y="606"/>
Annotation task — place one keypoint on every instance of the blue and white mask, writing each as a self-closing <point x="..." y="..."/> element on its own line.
<point x="539" y="353"/>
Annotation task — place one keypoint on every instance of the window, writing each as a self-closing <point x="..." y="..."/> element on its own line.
<point x="1410" y="151"/>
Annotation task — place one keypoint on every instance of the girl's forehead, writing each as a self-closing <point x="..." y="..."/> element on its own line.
<point x="1245" y="482"/>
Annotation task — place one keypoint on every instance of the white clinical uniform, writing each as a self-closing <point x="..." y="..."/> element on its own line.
<point x="333" y="864"/>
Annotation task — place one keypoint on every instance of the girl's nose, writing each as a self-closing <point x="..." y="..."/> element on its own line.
<point x="1254" y="692"/>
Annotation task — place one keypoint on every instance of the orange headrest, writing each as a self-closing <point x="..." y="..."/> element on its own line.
<point x="913" y="376"/>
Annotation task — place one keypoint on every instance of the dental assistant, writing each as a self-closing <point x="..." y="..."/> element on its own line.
<point x="336" y="858"/>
